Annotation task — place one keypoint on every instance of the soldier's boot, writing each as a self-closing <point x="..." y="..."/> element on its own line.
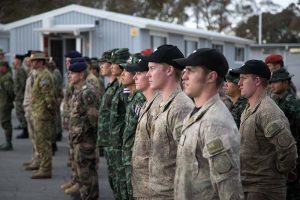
<point x="41" y="174"/>
<point x="6" y="146"/>
<point x="67" y="185"/>
<point x="27" y="162"/>
<point x="73" y="189"/>
<point x="54" y="148"/>
<point x="23" y="135"/>
<point x="33" y="166"/>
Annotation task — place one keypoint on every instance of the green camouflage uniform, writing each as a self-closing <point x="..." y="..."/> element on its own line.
<point x="116" y="127"/>
<point x="19" y="89"/>
<point x="134" y="105"/>
<point x="42" y="108"/>
<point x="83" y="135"/>
<point x="103" y="129"/>
<point x="58" y="84"/>
<point x="237" y="109"/>
<point x="289" y="103"/>
<point x="6" y="104"/>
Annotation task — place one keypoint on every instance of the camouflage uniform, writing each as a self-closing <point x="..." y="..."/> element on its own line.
<point x="116" y="127"/>
<point x="26" y="105"/>
<point x="167" y="131"/>
<point x="141" y="149"/>
<point x="83" y="134"/>
<point x="58" y="84"/>
<point x="42" y="108"/>
<point x="103" y="129"/>
<point x="19" y="89"/>
<point x="208" y="155"/>
<point x="135" y="102"/>
<point x="268" y="151"/>
<point x="6" y="105"/>
<point x="237" y="109"/>
<point x="94" y="81"/>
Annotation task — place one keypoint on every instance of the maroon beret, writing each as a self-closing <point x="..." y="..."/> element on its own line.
<point x="273" y="58"/>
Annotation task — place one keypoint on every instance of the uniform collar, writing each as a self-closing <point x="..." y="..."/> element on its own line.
<point x="164" y="105"/>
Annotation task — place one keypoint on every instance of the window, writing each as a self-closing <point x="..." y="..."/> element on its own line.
<point x="190" y="46"/>
<point x="219" y="47"/>
<point x="157" y="41"/>
<point x="239" y="54"/>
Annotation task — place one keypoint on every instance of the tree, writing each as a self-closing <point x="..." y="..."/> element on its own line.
<point x="283" y="27"/>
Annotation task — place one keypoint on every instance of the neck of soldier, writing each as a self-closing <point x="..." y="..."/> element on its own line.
<point x="208" y="92"/>
<point x="110" y="78"/>
<point x="131" y="88"/>
<point x="119" y="79"/>
<point x="79" y="84"/>
<point x="148" y="93"/>
<point x="169" y="87"/>
<point x="235" y="97"/>
<point x="260" y="91"/>
<point x="40" y="68"/>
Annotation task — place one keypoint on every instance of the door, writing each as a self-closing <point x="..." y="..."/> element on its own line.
<point x="56" y="52"/>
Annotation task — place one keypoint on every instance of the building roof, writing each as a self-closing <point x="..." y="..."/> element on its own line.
<point x="139" y="22"/>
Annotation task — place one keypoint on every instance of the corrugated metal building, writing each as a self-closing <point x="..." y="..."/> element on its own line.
<point x="289" y="52"/>
<point x="4" y="40"/>
<point x="93" y="31"/>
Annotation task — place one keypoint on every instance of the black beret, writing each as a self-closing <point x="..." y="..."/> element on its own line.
<point x="77" y="60"/>
<point x="73" y="54"/>
<point x="78" y="67"/>
<point x="257" y="67"/>
<point x="210" y="58"/>
<point x="165" y="54"/>
<point x="20" y="57"/>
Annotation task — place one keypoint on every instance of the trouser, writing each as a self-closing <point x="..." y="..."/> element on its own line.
<point x="5" y="119"/>
<point x="32" y="135"/>
<point x="85" y="167"/>
<point x="21" y="113"/>
<point x="126" y="161"/>
<point x="43" y="132"/>
<point x="264" y="196"/>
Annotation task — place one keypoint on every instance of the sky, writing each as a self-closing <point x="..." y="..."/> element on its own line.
<point x="284" y="3"/>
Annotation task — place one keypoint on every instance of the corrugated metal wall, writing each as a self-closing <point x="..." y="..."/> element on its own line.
<point x="24" y="38"/>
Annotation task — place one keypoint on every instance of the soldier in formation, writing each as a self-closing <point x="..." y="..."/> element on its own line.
<point x="19" y="89"/>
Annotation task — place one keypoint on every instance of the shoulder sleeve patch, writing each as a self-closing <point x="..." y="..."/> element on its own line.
<point x="284" y="140"/>
<point x="222" y="164"/>
<point x="273" y="128"/>
<point x="215" y="146"/>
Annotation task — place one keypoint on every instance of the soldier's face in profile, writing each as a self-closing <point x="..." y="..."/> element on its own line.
<point x="127" y="78"/>
<point x="74" y="78"/>
<point x="141" y="81"/>
<point x="194" y="81"/>
<point x="231" y="89"/>
<point x="157" y="75"/>
<point x="68" y="62"/>
<point x="279" y="87"/>
<point x="105" y="69"/>
<point x="116" y="70"/>
<point x="248" y="84"/>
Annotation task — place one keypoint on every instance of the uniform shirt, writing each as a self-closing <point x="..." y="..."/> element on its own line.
<point x="42" y="105"/>
<point x="6" y="92"/>
<point x="84" y="115"/>
<point x="20" y="83"/>
<point x="237" y="109"/>
<point x="94" y="81"/>
<point x="134" y="105"/>
<point x="117" y="116"/>
<point x="66" y="105"/>
<point x="141" y="148"/>
<point x="208" y="164"/>
<point x="268" y="151"/>
<point x="167" y="130"/>
<point x="104" y="113"/>
<point x="58" y="83"/>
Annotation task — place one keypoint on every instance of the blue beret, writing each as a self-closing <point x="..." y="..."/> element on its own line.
<point x="77" y="60"/>
<point x="78" y="67"/>
<point x="73" y="54"/>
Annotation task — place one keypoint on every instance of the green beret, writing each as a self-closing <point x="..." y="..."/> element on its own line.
<point x="120" y="56"/>
<point x="281" y="75"/>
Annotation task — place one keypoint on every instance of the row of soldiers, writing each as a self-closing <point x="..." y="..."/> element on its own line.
<point x="163" y="143"/>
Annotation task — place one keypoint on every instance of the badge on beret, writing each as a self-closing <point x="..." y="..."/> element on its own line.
<point x="215" y="146"/>
<point x="44" y="82"/>
<point x="274" y="128"/>
<point x="222" y="163"/>
<point x="284" y="140"/>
